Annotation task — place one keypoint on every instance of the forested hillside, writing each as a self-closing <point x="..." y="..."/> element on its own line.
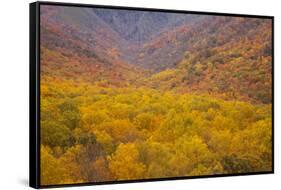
<point x="230" y="58"/>
<point x="138" y="95"/>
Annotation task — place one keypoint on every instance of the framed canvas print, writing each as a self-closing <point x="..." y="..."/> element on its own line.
<point x="120" y="94"/>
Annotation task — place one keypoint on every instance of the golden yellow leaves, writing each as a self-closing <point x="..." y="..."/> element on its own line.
<point x="124" y="163"/>
<point x="140" y="133"/>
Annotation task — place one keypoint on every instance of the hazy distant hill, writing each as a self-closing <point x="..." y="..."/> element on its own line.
<point x="139" y="26"/>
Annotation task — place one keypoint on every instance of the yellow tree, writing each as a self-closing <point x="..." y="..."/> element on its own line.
<point x="125" y="164"/>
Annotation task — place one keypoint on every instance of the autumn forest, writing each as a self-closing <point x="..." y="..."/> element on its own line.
<point x="129" y="95"/>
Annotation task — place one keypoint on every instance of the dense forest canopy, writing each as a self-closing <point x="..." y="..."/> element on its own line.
<point x="131" y="95"/>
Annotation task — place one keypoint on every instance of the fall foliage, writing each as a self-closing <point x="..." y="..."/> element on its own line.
<point x="138" y="133"/>
<point x="104" y="118"/>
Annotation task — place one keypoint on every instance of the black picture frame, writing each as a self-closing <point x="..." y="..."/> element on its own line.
<point x="34" y="92"/>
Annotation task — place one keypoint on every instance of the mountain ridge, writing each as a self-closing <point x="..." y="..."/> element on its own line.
<point x="193" y="47"/>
